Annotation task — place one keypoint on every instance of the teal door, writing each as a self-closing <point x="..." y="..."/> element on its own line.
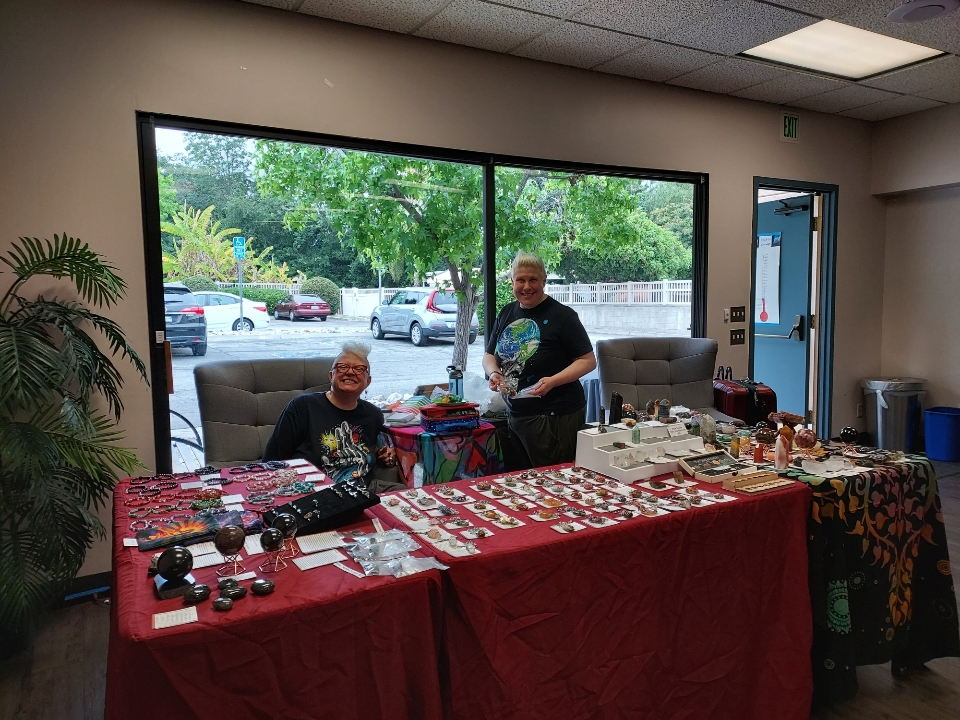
<point x="781" y="292"/>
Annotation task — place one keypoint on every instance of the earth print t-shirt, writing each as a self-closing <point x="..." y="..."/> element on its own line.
<point x="536" y="343"/>
<point x="342" y="443"/>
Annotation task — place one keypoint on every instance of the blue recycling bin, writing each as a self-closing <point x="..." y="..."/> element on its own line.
<point x="942" y="427"/>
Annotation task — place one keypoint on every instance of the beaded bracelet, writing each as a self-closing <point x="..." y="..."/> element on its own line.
<point x="218" y="481"/>
<point x="145" y="524"/>
<point x="139" y="514"/>
<point x="140" y="480"/>
<point x="209" y="494"/>
<point x="137" y="502"/>
<point x="210" y="512"/>
<point x="149" y="492"/>
<point x="180" y="516"/>
<point x="259" y="499"/>
<point x="165" y="485"/>
<point x="206" y="504"/>
<point x="165" y="508"/>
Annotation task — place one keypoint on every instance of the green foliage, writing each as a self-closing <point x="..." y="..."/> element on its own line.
<point x="327" y="289"/>
<point x="59" y="455"/>
<point x="199" y="282"/>
<point x="168" y="195"/>
<point x="670" y="205"/>
<point x="201" y="247"/>
<point x="504" y="298"/>
<point x="264" y="295"/>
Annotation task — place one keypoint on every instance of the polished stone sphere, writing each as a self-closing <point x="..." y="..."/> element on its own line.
<point x="174" y="563"/>
<point x="262" y="587"/>
<point x="849" y="435"/>
<point x="229" y="540"/>
<point x="285" y="523"/>
<point x="224" y="583"/>
<point x="806" y="439"/>
<point x="223" y="604"/>
<point x="271" y="540"/>
<point x="197" y="594"/>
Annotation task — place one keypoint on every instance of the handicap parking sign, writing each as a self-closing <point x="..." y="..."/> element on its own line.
<point x="239" y="248"/>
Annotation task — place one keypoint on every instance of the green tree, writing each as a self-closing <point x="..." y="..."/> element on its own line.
<point x="168" y="195"/>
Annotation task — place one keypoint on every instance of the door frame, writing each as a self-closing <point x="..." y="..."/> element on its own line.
<point x="826" y="292"/>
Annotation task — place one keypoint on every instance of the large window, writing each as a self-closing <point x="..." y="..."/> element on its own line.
<point x="391" y="245"/>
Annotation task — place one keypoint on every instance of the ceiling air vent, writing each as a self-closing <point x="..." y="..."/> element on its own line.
<point x="920" y="10"/>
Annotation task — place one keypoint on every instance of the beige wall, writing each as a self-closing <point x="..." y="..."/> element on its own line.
<point x="75" y="72"/>
<point x="920" y="150"/>
<point x="921" y="300"/>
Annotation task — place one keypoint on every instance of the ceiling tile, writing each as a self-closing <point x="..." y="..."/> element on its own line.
<point x="649" y="18"/>
<point x="658" y="61"/>
<point x="491" y="27"/>
<point x="846" y="98"/>
<point x="820" y="8"/>
<point x="555" y="8"/>
<point x="912" y="80"/>
<point x="578" y="45"/>
<point x="396" y="15"/>
<point x="282" y="4"/>
<point x="789" y="87"/>
<point x="739" y="26"/>
<point x="942" y="33"/>
<point x="727" y="76"/>
<point x="948" y="93"/>
<point x="900" y="105"/>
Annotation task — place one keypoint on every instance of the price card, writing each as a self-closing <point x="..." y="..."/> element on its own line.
<point x="211" y="476"/>
<point x="232" y="499"/>
<point x="204" y="548"/>
<point x="191" y="485"/>
<point x="296" y="462"/>
<point x="306" y="469"/>
<point x="130" y="542"/>
<point x="677" y="429"/>
<point x="243" y="576"/>
<point x="315" y="477"/>
<point x="208" y="560"/>
<point x="238" y="508"/>
<point x="327" y="557"/>
<point x="377" y="525"/>
<point x="320" y="541"/>
<point x="252" y="545"/>
<point x="174" y="618"/>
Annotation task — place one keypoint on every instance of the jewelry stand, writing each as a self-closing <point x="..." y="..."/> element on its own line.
<point x="275" y="561"/>
<point x="232" y="566"/>
<point x="291" y="550"/>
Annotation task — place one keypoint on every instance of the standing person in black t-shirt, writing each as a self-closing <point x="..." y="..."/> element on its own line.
<point x="538" y="346"/>
<point x="336" y="430"/>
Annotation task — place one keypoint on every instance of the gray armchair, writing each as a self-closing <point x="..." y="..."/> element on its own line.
<point x="676" y="368"/>
<point x="241" y="400"/>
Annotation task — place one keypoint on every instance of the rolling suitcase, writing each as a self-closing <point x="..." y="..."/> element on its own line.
<point x="743" y="399"/>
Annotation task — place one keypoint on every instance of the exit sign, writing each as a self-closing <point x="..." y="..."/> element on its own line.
<point x="789" y="127"/>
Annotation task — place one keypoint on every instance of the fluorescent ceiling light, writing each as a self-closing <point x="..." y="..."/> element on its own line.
<point x="837" y="49"/>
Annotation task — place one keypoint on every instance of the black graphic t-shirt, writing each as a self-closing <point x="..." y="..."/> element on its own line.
<point x="536" y="343"/>
<point x="342" y="443"/>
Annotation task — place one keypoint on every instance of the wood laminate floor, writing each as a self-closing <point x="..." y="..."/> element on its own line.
<point x="62" y="677"/>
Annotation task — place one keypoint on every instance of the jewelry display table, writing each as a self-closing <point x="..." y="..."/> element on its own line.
<point x="880" y="574"/>
<point x="446" y="456"/>
<point x="697" y="613"/>
<point x="325" y="644"/>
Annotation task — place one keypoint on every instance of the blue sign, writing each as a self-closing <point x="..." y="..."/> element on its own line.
<point x="239" y="248"/>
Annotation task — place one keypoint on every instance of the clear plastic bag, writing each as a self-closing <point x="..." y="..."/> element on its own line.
<point x="477" y="389"/>
<point x="381" y="546"/>
<point x="401" y="567"/>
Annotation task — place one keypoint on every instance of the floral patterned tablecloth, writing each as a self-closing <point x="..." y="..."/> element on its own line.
<point x="881" y="583"/>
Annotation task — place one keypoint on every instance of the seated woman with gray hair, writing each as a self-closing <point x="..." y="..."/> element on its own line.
<point x="335" y="430"/>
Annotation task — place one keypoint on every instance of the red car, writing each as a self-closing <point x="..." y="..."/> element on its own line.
<point x="296" y="307"/>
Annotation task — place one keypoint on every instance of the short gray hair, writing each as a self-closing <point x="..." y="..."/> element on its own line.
<point x="360" y="349"/>
<point x="527" y="260"/>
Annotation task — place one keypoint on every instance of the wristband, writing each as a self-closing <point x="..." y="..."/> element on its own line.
<point x="495" y="372"/>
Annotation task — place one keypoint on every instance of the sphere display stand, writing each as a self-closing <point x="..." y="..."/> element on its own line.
<point x="275" y="561"/>
<point x="232" y="566"/>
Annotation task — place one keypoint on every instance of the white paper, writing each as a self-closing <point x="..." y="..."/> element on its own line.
<point x="211" y="476"/>
<point x="767" y="281"/>
<point x="232" y="499"/>
<point x="377" y="525"/>
<point x="348" y="570"/>
<point x="319" y="541"/>
<point x="676" y="429"/>
<point x="252" y="545"/>
<point x="315" y="477"/>
<point x="243" y="576"/>
<point x="130" y="542"/>
<point x="306" y="469"/>
<point x="238" y="508"/>
<point x="297" y="461"/>
<point x="322" y="558"/>
<point x="191" y="485"/>
<point x="175" y="617"/>
<point x="204" y="548"/>
<point x="209" y="560"/>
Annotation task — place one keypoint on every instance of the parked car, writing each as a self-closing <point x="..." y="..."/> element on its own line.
<point x="301" y="307"/>
<point x="186" y="323"/>
<point x="420" y="314"/>
<point x="222" y="311"/>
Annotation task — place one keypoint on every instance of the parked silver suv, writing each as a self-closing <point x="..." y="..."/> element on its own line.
<point x="420" y="313"/>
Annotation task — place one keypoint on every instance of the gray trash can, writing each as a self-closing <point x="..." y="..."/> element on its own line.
<point x="893" y="411"/>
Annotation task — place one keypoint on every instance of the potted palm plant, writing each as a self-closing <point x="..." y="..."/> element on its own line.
<point x="59" y="408"/>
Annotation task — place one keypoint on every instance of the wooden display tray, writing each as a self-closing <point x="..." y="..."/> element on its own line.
<point x="755" y="483"/>
<point x="713" y="467"/>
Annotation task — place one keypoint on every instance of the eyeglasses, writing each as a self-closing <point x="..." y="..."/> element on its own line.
<point x="344" y="367"/>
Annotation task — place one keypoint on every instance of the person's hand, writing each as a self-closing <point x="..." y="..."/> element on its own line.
<point x="387" y="456"/>
<point x="542" y="388"/>
<point x="496" y="377"/>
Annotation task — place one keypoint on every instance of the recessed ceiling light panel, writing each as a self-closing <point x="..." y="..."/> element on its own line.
<point x="841" y="50"/>
<point x="920" y="10"/>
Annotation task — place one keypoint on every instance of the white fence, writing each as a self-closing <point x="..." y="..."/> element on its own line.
<point x="286" y="287"/>
<point x="662" y="292"/>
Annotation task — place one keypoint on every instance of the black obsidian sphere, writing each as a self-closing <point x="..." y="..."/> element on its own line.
<point x="224" y="583"/>
<point x="197" y="594"/>
<point x="229" y="540"/>
<point x="174" y="563"/>
<point x="285" y="523"/>
<point x="234" y="593"/>
<point x="271" y="539"/>
<point x="262" y="587"/>
<point x="223" y="604"/>
<point x="849" y="435"/>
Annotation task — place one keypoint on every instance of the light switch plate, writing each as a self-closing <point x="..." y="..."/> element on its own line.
<point x="738" y="314"/>
<point x="738" y="337"/>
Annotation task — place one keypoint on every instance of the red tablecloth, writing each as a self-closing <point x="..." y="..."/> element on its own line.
<point x="324" y="645"/>
<point x="447" y="456"/>
<point x="702" y="613"/>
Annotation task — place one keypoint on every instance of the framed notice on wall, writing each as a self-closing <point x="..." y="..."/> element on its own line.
<point x="767" y="281"/>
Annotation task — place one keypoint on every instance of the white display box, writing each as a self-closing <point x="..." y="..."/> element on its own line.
<point x="596" y="451"/>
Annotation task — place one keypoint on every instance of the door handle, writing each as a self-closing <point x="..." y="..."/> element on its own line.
<point x="797" y="329"/>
